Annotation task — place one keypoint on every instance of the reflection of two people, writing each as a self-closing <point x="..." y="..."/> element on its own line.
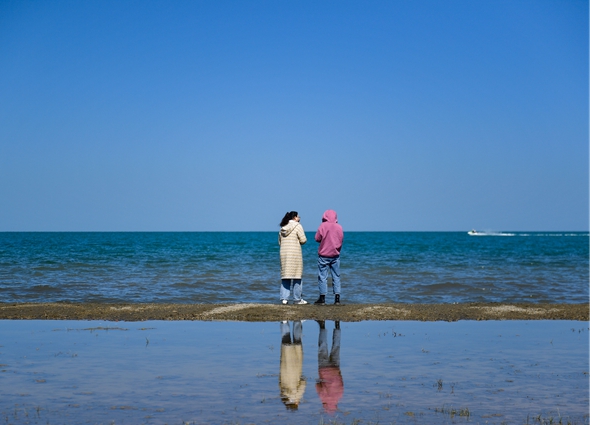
<point x="291" y="380"/>
<point x="329" y="386"/>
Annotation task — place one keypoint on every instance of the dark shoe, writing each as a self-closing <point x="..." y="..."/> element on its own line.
<point x="337" y="299"/>
<point x="321" y="300"/>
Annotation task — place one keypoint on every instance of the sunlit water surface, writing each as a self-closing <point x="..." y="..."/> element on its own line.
<point x="158" y="372"/>
<point x="233" y="267"/>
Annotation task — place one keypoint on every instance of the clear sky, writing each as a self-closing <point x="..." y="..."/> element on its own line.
<point x="223" y="115"/>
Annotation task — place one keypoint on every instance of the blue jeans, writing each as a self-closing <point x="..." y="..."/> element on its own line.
<point x="285" y="291"/>
<point x="326" y="264"/>
<point x="325" y="360"/>
<point x="286" y="334"/>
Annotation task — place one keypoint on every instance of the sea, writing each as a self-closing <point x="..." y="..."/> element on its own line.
<point x="243" y="267"/>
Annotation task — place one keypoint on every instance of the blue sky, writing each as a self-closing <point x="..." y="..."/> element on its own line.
<point x="223" y="115"/>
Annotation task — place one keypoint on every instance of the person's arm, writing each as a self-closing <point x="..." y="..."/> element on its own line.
<point x="301" y="235"/>
<point x="318" y="235"/>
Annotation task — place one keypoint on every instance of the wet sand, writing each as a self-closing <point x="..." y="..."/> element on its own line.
<point x="272" y="312"/>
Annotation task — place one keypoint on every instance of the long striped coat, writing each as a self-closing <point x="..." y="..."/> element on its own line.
<point x="291" y="237"/>
<point x="291" y="378"/>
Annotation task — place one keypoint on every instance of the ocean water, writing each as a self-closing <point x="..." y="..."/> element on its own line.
<point x="234" y="267"/>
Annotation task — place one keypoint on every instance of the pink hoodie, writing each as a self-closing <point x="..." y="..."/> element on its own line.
<point x="330" y="388"/>
<point x="329" y="235"/>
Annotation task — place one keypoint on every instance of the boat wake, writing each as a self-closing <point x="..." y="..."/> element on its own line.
<point x="485" y="233"/>
<point x="488" y="233"/>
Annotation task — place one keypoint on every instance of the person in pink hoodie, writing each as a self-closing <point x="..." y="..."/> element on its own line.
<point x="330" y="386"/>
<point x="330" y="237"/>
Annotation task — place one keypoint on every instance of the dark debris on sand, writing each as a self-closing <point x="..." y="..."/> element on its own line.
<point x="271" y="312"/>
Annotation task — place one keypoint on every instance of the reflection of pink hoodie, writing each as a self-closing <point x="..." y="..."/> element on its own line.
<point x="329" y="235"/>
<point x="330" y="388"/>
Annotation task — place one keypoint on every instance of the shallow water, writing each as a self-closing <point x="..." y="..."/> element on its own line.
<point x="226" y="372"/>
<point x="230" y="267"/>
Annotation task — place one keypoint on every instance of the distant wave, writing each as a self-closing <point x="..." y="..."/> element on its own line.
<point x="554" y="234"/>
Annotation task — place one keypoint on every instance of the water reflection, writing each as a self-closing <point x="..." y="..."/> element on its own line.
<point x="291" y="380"/>
<point x="330" y="385"/>
<point x="63" y="372"/>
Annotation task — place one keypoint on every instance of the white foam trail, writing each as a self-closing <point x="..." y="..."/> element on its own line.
<point x="554" y="234"/>
<point x="489" y="233"/>
<point x="493" y="234"/>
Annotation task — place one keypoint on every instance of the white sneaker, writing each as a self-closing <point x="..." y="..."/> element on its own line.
<point x="300" y="302"/>
<point x="284" y="302"/>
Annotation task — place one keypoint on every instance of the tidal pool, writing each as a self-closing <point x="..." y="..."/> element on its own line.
<point x="165" y="372"/>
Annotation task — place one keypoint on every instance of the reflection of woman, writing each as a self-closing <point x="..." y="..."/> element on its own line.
<point x="291" y="381"/>
<point x="291" y="237"/>
<point x="330" y="386"/>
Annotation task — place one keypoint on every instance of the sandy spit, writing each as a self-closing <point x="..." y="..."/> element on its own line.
<point x="273" y="312"/>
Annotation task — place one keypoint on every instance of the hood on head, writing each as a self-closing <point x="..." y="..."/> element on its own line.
<point x="330" y="216"/>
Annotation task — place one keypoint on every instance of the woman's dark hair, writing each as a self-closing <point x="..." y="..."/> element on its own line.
<point x="289" y="216"/>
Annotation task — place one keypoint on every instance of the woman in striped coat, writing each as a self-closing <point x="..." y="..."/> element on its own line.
<point x="291" y="237"/>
